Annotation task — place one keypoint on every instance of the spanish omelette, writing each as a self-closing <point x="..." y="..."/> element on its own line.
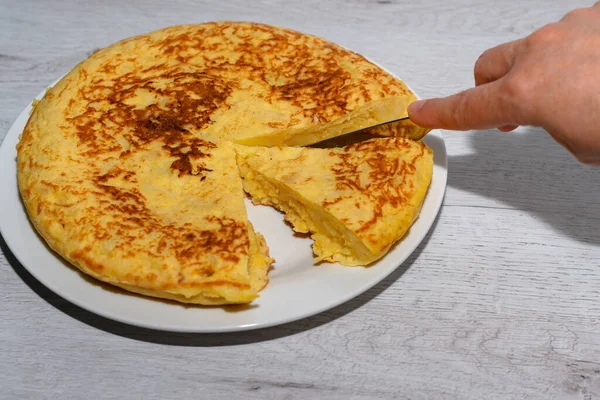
<point x="127" y="169"/>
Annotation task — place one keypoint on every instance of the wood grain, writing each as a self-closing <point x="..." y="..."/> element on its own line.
<point x="501" y="301"/>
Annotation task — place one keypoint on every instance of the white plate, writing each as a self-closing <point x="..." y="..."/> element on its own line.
<point x="297" y="287"/>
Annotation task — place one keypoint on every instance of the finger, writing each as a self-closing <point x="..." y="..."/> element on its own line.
<point x="494" y="63"/>
<point x="508" y="128"/>
<point x="482" y="107"/>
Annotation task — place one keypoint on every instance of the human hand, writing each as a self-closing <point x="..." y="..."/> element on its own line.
<point x="549" y="79"/>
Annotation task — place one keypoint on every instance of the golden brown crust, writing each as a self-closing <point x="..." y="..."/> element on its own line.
<point x="388" y="181"/>
<point x="126" y="166"/>
<point x="284" y="80"/>
<point x="112" y="213"/>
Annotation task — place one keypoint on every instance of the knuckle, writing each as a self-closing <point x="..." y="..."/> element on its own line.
<point x="517" y="87"/>
<point x="545" y="35"/>
<point x="518" y="95"/>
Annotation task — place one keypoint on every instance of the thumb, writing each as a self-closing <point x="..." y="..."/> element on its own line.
<point x="482" y="107"/>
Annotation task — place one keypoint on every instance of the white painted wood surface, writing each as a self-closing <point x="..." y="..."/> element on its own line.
<point x="501" y="301"/>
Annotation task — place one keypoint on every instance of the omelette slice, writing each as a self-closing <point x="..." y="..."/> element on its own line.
<point x="356" y="201"/>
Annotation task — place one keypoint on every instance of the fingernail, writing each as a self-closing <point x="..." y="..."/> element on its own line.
<point x="414" y="107"/>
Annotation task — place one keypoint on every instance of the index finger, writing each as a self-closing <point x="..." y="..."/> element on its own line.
<point x="482" y="107"/>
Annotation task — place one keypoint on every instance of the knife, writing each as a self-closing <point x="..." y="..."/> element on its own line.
<point x="336" y="139"/>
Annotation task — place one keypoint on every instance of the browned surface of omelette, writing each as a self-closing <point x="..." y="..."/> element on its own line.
<point x="127" y="168"/>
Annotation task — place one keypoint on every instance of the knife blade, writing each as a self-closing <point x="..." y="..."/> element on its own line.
<point x="337" y="139"/>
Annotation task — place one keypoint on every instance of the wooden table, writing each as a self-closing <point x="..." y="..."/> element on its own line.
<point x="502" y="299"/>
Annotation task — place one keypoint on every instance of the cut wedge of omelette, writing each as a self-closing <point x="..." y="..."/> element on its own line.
<point x="356" y="201"/>
<point x="127" y="168"/>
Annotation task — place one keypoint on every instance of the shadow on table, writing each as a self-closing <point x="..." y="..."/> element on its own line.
<point x="216" y="339"/>
<point x="527" y="170"/>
